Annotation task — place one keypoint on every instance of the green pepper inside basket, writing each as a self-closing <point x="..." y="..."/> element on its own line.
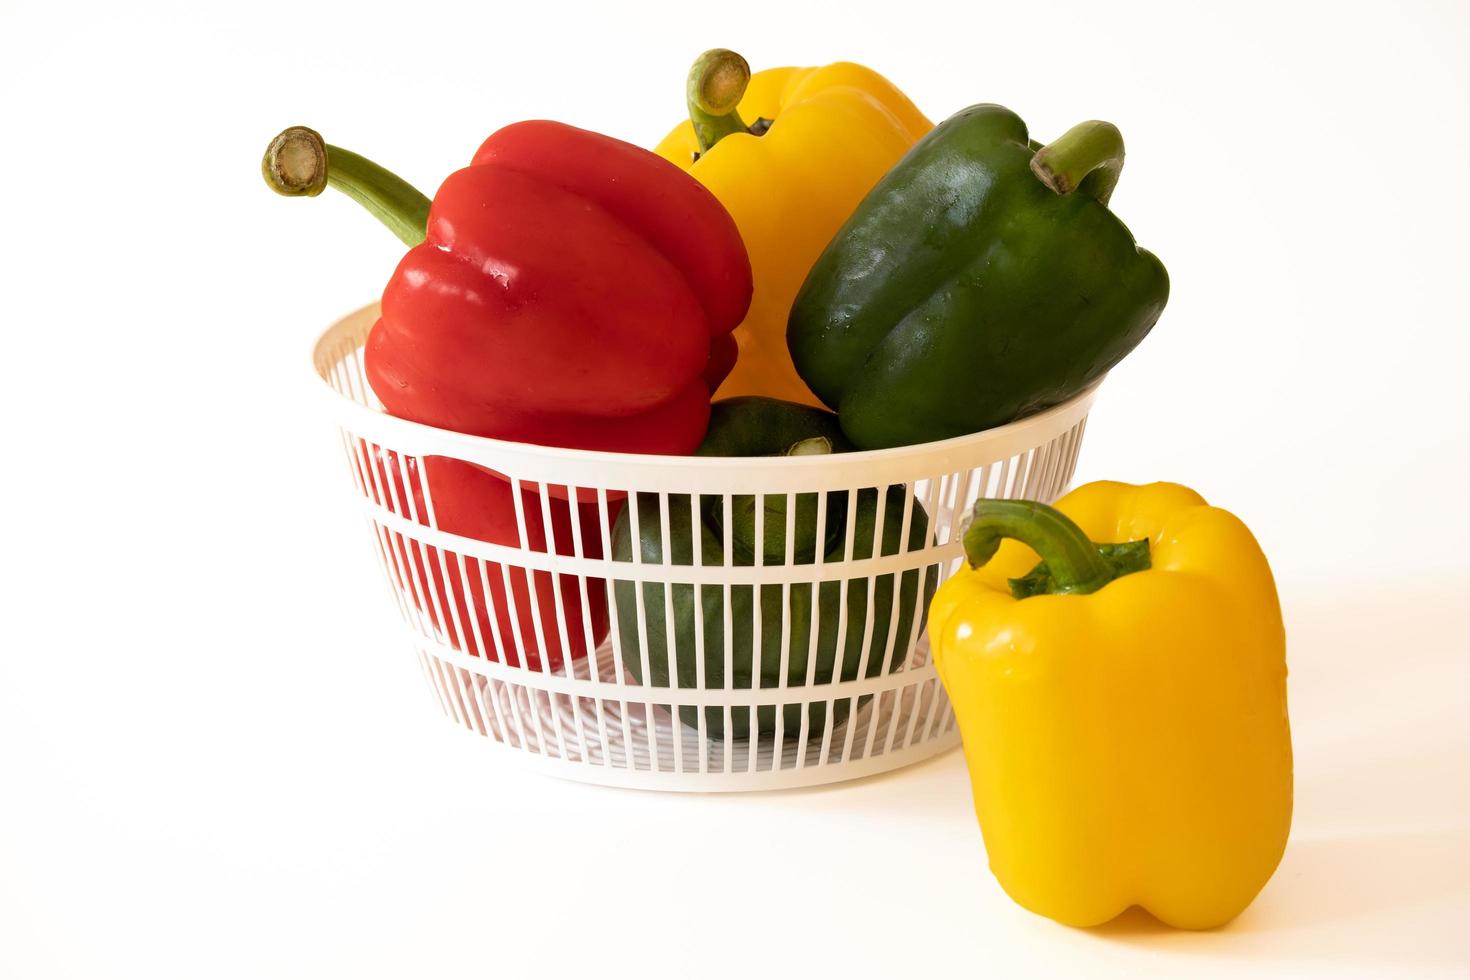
<point x="755" y="426"/>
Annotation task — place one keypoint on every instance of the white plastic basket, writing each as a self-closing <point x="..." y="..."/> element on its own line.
<point x="509" y="634"/>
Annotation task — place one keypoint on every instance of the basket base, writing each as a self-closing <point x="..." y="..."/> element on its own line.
<point x="634" y="744"/>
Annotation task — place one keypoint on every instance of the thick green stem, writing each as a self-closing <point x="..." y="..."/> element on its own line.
<point x="1123" y="558"/>
<point x="1087" y="158"/>
<point x="299" y="163"/>
<point x="1070" y="561"/>
<point x="716" y="84"/>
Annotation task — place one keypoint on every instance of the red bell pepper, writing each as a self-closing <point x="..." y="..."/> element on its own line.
<point x="568" y="294"/>
<point x="565" y="289"/>
<point x="474" y="502"/>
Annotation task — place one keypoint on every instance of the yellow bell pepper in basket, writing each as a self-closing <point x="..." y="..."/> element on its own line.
<point x="1123" y="706"/>
<point x="790" y="152"/>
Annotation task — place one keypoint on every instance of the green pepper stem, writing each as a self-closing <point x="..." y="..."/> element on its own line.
<point x="716" y="84"/>
<point x="1088" y="157"/>
<point x="1074" y="564"/>
<point x="812" y="446"/>
<point x="299" y="163"/>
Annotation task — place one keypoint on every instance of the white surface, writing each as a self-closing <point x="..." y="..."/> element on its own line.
<point x="218" y="760"/>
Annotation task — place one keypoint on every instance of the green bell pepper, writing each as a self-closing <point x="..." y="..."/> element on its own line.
<point x="982" y="279"/>
<point x="757" y="426"/>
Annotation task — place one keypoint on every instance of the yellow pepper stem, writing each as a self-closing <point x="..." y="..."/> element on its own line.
<point x="1071" y="563"/>
<point x="716" y="85"/>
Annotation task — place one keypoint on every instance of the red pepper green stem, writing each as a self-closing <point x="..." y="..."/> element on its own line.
<point x="299" y="163"/>
<point x="1070" y="561"/>
<point x="1087" y="158"/>
<point x="716" y="84"/>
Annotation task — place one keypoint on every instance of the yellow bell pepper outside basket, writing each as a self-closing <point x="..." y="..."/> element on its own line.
<point x="818" y="140"/>
<point x="1124" y="721"/>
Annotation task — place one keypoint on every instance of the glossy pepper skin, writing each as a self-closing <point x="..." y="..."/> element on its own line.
<point x="1127" y="745"/>
<point x="755" y="426"/>
<point x="572" y="290"/>
<point x="982" y="280"/>
<point x="565" y="289"/>
<point x="834" y="131"/>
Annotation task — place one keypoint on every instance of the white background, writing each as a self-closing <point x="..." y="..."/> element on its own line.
<point x="217" y="757"/>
